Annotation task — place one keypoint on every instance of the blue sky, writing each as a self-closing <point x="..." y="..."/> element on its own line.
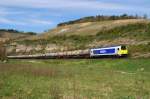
<point x="41" y="15"/>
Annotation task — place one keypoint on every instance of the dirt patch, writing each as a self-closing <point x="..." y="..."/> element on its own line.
<point x="141" y="55"/>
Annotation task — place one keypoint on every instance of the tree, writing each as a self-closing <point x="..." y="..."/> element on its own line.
<point x="145" y="16"/>
<point x="3" y="55"/>
<point x="31" y="33"/>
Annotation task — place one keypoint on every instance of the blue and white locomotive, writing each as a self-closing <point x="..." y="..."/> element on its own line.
<point x="109" y="51"/>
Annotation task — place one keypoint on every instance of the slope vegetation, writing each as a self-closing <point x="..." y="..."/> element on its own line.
<point x="91" y="28"/>
<point x="135" y="33"/>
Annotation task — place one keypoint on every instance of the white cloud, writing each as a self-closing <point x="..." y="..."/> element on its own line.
<point x="4" y="20"/>
<point x="8" y="12"/>
<point x="39" y="22"/>
<point x="9" y="21"/>
<point x="20" y="17"/>
<point x="55" y="4"/>
<point x="74" y="5"/>
<point x="33" y="22"/>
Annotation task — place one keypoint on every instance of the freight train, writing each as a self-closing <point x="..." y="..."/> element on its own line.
<point x="115" y="51"/>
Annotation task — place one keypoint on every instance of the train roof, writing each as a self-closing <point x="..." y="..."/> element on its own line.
<point x="108" y="47"/>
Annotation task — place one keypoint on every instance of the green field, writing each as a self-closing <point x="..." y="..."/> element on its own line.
<point x="75" y="79"/>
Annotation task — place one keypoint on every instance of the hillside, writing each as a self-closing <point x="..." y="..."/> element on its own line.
<point x="135" y="33"/>
<point x="11" y="34"/>
<point x="91" y="28"/>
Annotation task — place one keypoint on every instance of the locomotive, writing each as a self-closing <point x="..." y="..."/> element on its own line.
<point x="117" y="51"/>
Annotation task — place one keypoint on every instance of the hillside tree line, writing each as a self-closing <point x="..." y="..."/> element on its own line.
<point x="16" y="31"/>
<point x="102" y="18"/>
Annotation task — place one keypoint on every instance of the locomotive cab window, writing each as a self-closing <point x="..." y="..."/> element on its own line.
<point x="123" y="47"/>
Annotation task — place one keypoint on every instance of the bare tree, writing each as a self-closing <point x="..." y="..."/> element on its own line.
<point x="145" y="16"/>
<point x="3" y="54"/>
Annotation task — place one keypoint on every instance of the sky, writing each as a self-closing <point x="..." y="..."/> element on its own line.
<point x="42" y="15"/>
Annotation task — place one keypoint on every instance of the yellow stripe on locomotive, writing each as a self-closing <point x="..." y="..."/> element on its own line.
<point x="123" y="51"/>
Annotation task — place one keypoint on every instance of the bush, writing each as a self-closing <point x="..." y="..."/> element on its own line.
<point x="139" y="30"/>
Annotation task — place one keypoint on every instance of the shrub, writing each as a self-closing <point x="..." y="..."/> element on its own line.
<point x="131" y="30"/>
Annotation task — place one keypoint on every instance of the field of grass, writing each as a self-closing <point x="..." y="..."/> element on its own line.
<point x="75" y="79"/>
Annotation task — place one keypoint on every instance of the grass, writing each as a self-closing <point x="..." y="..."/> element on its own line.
<point x="75" y="79"/>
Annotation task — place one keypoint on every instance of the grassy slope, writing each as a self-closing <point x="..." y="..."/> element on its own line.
<point x="135" y="34"/>
<point x="13" y="36"/>
<point x="90" y="28"/>
<point x="98" y="79"/>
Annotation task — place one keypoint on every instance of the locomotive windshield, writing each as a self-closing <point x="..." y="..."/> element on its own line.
<point x="123" y="47"/>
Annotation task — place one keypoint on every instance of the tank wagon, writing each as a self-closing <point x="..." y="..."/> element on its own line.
<point x="118" y="51"/>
